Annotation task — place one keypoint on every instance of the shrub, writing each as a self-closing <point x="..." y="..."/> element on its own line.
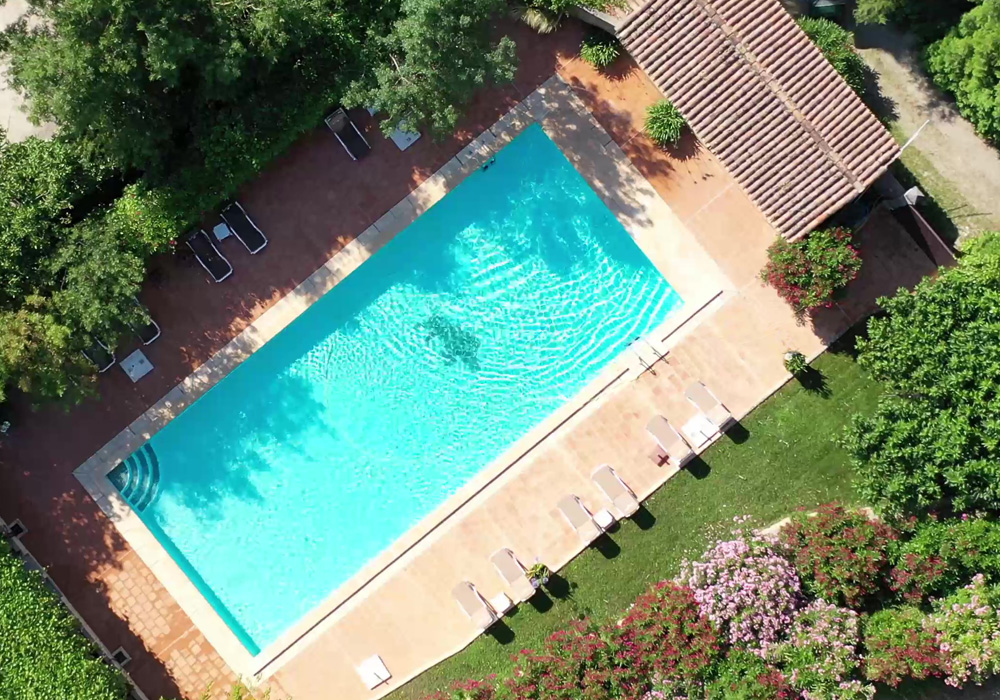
<point x="840" y="555"/>
<point x="967" y="625"/>
<point x="962" y="548"/>
<point x="43" y="653"/>
<point x="664" y="123"/>
<point x="665" y="637"/>
<point x="820" y="655"/>
<point x="466" y="690"/>
<point x="575" y="664"/>
<point x="808" y="273"/>
<point x="837" y="45"/>
<point x="745" y="676"/>
<point x="795" y="362"/>
<point x="899" y="645"/>
<point x="931" y="443"/>
<point x="916" y="577"/>
<point x="600" y="49"/>
<point x="746" y="589"/>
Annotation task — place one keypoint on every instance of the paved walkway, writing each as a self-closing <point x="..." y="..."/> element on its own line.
<point x="955" y="159"/>
<point x="736" y="349"/>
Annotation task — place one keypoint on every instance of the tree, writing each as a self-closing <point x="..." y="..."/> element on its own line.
<point x="432" y="62"/>
<point x="929" y="19"/>
<point x="934" y="439"/>
<point x="837" y="45"/>
<point x="966" y="63"/>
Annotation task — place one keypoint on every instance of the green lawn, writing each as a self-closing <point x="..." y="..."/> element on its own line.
<point x="788" y="459"/>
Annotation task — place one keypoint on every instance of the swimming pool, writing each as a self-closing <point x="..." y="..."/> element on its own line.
<point x="394" y="389"/>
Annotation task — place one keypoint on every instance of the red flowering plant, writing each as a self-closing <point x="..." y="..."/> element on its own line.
<point x="576" y="663"/>
<point x="899" y="644"/>
<point x="841" y="555"/>
<point x="665" y="639"/>
<point x="745" y="676"/>
<point x="916" y="576"/>
<point x="808" y="273"/>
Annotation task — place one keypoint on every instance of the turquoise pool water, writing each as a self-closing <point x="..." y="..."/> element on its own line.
<point x="393" y="390"/>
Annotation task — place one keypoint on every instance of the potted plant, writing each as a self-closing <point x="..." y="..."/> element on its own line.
<point x="538" y="574"/>
<point x="795" y="363"/>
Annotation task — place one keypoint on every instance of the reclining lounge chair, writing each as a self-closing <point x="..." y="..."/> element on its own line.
<point x="347" y="133"/>
<point x="580" y="519"/>
<point x="674" y="447"/>
<point x="209" y="256"/>
<point x="243" y="227"/>
<point x="513" y="574"/>
<point x="149" y="332"/>
<point x="100" y="355"/>
<point x="474" y="605"/>
<point x="616" y="490"/>
<point x="709" y="406"/>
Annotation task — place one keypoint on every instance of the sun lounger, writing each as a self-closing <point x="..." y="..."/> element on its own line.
<point x="675" y="448"/>
<point x="149" y="332"/>
<point x="373" y="672"/>
<point x="514" y="574"/>
<point x="209" y="256"/>
<point x="474" y="605"/>
<point x="616" y="490"/>
<point x="580" y="519"/>
<point x="347" y="133"/>
<point x="243" y="227"/>
<point x="705" y="401"/>
<point x="101" y="355"/>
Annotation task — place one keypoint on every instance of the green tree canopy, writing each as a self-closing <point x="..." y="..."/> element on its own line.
<point x="929" y="19"/>
<point x="432" y="62"/>
<point x="935" y="438"/>
<point x="966" y="63"/>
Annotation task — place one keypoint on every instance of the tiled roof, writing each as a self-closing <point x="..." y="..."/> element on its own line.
<point x="761" y="96"/>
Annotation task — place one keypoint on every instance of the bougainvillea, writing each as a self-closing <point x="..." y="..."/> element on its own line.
<point x="664" y="637"/>
<point x="746" y="589"/>
<point x="841" y="555"/>
<point x="576" y="663"/>
<point x="967" y="625"/>
<point x="807" y="273"/>
<point x="820" y="656"/>
<point x="899" y="644"/>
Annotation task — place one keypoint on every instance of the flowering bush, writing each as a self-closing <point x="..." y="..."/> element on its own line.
<point x="898" y="645"/>
<point x="467" y="690"/>
<point x="744" y="676"/>
<point x="967" y="625"/>
<point x="965" y="547"/>
<point x="820" y="656"/>
<point x="575" y="664"/>
<point x="840" y="555"/>
<point x="746" y="589"/>
<point x="665" y="637"/>
<point x="808" y="272"/>
<point x="915" y="577"/>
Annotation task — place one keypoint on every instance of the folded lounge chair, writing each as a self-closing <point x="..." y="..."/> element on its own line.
<point x="243" y="227"/>
<point x="580" y="519"/>
<point x="209" y="256"/>
<point x="513" y="573"/>
<point x="616" y="490"/>
<point x="101" y="355"/>
<point x="710" y="407"/>
<point x="474" y="605"/>
<point x="347" y="133"/>
<point x="674" y="447"/>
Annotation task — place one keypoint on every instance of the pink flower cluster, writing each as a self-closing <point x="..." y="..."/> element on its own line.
<point x="746" y="589"/>
<point x="967" y="625"/>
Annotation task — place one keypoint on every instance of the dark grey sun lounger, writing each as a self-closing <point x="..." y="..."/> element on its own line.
<point x="347" y="133"/>
<point x="149" y="332"/>
<point x="101" y="355"/>
<point x="209" y="256"/>
<point x="244" y="228"/>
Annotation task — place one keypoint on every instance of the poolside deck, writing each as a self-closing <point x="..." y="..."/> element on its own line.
<point x="736" y="350"/>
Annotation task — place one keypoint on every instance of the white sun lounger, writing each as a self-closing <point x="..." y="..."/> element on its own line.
<point x="513" y="574"/>
<point x="373" y="672"/>
<point x="706" y="402"/>
<point x="474" y="605"/>
<point x="670" y="441"/>
<point x="615" y="490"/>
<point x="580" y="519"/>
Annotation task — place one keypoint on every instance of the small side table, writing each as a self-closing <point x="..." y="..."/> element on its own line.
<point x="136" y="366"/>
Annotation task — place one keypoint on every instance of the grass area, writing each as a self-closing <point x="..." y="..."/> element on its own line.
<point x="786" y="457"/>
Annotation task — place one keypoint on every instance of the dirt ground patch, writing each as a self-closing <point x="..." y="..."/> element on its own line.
<point x="953" y="164"/>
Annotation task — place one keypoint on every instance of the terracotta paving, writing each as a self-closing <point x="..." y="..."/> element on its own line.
<point x="736" y="350"/>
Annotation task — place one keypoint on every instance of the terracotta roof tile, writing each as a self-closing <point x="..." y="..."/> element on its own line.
<point x="760" y="95"/>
